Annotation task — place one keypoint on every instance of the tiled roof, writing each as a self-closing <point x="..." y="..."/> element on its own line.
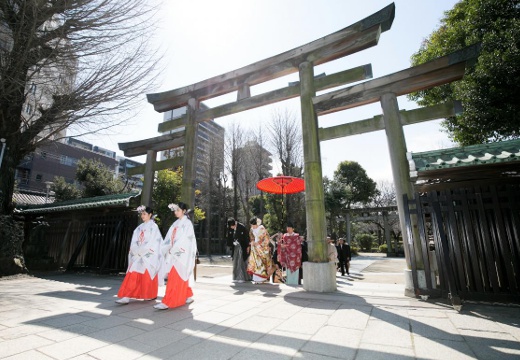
<point x="79" y="204"/>
<point x="21" y="199"/>
<point x="474" y="155"/>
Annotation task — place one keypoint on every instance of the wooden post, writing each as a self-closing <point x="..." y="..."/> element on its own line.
<point x="319" y="274"/>
<point x="146" y="193"/>
<point x="190" y="155"/>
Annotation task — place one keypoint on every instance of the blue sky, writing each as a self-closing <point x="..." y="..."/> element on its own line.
<point x="205" y="38"/>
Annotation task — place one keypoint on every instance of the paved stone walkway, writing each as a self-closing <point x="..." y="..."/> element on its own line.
<point x="73" y="316"/>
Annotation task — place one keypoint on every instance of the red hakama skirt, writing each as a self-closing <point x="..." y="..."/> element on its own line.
<point x="139" y="286"/>
<point x="177" y="290"/>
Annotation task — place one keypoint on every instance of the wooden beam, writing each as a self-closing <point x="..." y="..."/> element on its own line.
<point x="172" y="163"/>
<point x="321" y="83"/>
<point x="356" y="37"/>
<point x="159" y="143"/>
<point x="433" y="73"/>
<point x="407" y="117"/>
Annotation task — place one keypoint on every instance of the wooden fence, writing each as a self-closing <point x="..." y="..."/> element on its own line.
<point x="91" y="240"/>
<point x="97" y="241"/>
<point x="470" y="243"/>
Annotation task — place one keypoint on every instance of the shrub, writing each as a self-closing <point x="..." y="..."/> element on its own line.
<point x="383" y="248"/>
<point x="365" y="241"/>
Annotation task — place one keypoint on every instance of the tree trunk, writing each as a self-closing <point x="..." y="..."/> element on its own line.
<point x="7" y="173"/>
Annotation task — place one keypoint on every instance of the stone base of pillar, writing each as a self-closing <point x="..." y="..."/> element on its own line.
<point x="319" y="277"/>
<point x="408" y="283"/>
<point x="421" y="279"/>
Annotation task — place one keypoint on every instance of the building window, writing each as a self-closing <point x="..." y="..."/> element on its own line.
<point x="39" y="177"/>
<point x="28" y="108"/>
<point x="32" y="89"/>
<point x="67" y="160"/>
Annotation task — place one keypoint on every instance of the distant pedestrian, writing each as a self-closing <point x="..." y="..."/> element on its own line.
<point x="179" y="250"/>
<point x="141" y="279"/>
<point x="344" y="256"/>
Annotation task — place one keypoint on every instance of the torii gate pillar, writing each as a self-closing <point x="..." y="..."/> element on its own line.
<point x="320" y="274"/>
<point x="401" y="175"/>
<point x="190" y="156"/>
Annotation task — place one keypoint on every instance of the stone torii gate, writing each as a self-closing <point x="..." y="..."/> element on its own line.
<point x="320" y="274"/>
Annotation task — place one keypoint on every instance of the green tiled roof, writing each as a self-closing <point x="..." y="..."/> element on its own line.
<point x="499" y="152"/>
<point x="79" y="204"/>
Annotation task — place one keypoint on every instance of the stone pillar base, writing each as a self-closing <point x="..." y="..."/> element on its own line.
<point x="408" y="283"/>
<point x="319" y="277"/>
<point x="421" y="279"/>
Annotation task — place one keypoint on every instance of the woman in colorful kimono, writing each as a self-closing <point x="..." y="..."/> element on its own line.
<point x="141" y="280"/>
<point x="179" y="249"/>
<point x="260" y="261"/>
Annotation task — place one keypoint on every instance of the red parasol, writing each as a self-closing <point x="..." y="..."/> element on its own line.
<point x="281" y="185"/>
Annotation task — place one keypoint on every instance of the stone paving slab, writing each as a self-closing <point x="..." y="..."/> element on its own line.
<point x="73" y="316"/>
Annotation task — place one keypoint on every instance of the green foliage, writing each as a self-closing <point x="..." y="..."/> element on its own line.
<point x="167" y="190"/>
<point x="97" y="178"/>
<point x="350" y="185"/>
<point x="365" y="241"/>
<point x="383" y="248"/>
<point x="353" y="184"/>
<point x="490" y="91"/>
<point x="63" y="190"/>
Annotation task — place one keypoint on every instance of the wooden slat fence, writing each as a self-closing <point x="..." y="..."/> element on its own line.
<point x="92" y="241"/>
<point x="470" y="242"/>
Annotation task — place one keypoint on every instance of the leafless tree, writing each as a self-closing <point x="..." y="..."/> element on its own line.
<point x="213" y="168"/>
<point x="233" y="159"/>
<point x="286" y="141"/>
<point x="286" y="145"/>
<point x="79" y="64"/>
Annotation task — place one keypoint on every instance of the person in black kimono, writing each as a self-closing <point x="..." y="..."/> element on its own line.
<point x="240" y="253"/>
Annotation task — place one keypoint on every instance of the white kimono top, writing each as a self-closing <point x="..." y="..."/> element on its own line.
<point x="144" y="251"/>
<point x="179" y="249"/>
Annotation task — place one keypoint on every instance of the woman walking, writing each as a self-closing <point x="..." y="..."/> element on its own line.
<point x="179" y="249"/>
<point x="141" y="280"/>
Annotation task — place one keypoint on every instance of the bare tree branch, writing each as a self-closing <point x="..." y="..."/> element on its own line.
<point x="70" y="64"/>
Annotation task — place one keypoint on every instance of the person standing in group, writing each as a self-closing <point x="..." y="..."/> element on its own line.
<point x="260" y="260"/>
<point x="240" y="251"/>
<point x="344" y="256"/>
<point x="179" y="249"/>
<point x="332" y="252"/>
<point x="290" y="254"/>
<point x="141" y="279"/>
<point x="305" y="257"/>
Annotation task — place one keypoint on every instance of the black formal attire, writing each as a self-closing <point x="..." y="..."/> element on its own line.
<point x="305" y="257"/>
<point x="240" y="253"/>
<point x="344" y="257"/>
